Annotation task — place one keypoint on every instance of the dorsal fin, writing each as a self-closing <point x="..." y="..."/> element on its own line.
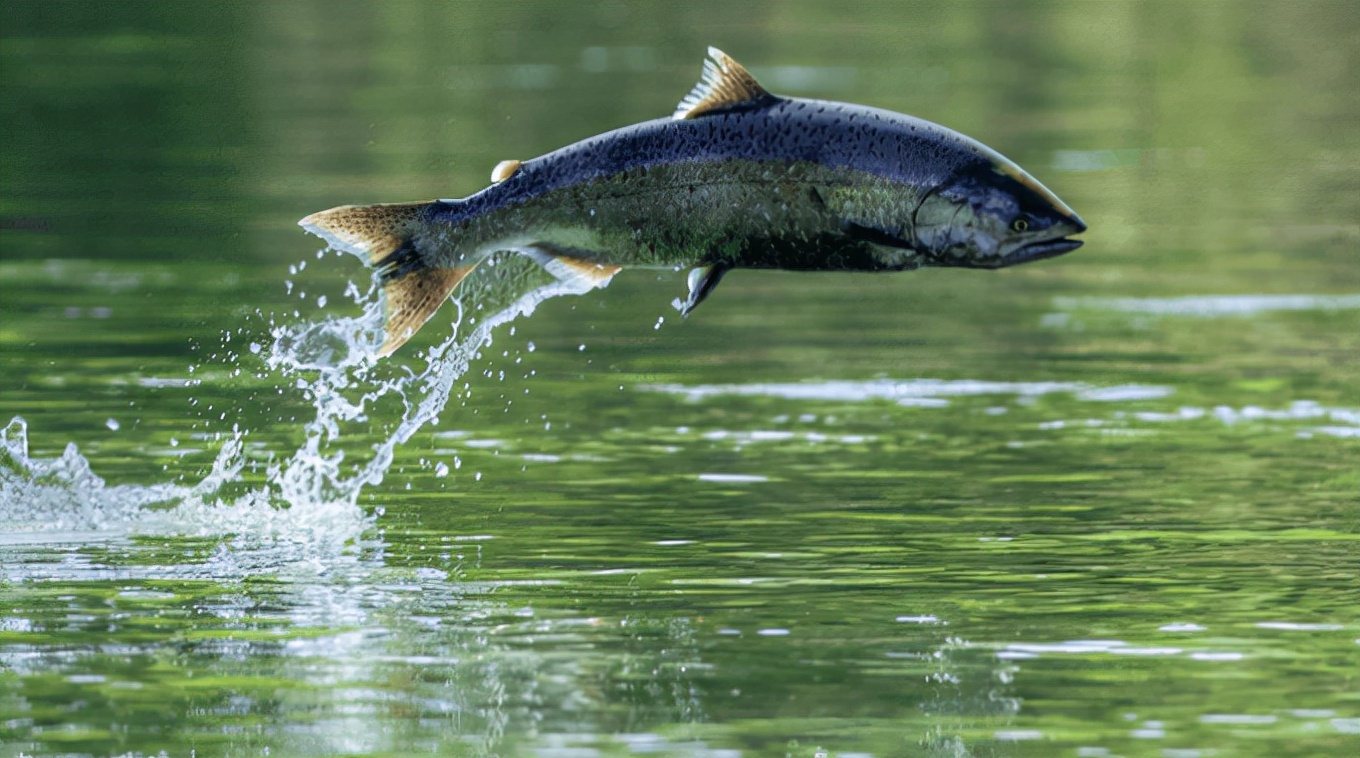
<point x="724" y="84"/>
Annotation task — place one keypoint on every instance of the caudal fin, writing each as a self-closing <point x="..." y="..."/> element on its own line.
<point x="385" y="235"/>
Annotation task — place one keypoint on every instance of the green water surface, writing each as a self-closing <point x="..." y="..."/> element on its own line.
<point x="1103" y="505"/>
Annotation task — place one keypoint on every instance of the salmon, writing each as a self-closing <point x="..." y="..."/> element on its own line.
<point x="737" y="177"/>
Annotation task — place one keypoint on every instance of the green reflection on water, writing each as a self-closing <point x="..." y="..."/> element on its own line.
<point x="604" y="565"/>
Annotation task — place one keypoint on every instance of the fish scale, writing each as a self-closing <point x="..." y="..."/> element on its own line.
<point x="736" y="178"/>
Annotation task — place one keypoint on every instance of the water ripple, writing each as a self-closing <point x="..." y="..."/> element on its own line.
<point x="909" y="391"/>
<point x="1210" y="306"/>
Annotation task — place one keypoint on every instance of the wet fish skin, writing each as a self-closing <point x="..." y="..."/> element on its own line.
<point x="749" y="213"/>
<point x="738" y="178"/>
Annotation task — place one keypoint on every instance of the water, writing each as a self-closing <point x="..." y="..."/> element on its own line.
<point x="1102" y="505"/>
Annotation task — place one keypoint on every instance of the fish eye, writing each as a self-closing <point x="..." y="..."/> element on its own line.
<point x="1019" y="225"/>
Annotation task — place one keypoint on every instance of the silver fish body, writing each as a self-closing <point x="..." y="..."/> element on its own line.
<point x="738" y="178"/>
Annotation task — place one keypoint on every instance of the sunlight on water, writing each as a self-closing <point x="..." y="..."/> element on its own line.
<point x="1212" y="306"/>
<point x="1305" y="417"/>
<point x="920" y="392"/>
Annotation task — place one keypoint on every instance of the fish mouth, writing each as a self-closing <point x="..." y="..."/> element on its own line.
<point x="1037" y="251"/>
<point x="1034" y="251"/>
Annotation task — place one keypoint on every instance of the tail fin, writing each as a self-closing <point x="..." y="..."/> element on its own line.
<point x="413" y="287"/>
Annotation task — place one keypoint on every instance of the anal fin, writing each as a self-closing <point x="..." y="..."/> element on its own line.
<point x="413" y="298"/>
<point x="702" y="282"/>
<point x="569" y="267"/>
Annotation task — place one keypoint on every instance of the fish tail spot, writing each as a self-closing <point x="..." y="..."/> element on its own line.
<point x="373" y="232"/>
<point x="411" y="298"/>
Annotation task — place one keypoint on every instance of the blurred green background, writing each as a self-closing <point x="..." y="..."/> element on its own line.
<point x="1101" y="505"/>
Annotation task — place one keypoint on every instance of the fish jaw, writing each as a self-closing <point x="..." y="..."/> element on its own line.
<point x="1037" y="251"/>
<point x="1050" y="246"/>
<point x="1058" y="240"/>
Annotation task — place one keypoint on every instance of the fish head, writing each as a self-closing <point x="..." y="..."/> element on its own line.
<point x="993" y="215"/>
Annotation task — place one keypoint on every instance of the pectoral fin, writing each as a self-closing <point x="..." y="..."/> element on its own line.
<point x="569" y="267"/>
<point x="702" y="281"/>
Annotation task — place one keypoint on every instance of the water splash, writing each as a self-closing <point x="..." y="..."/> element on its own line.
<point x="307" y="503"/>
<point x="342" y="354"/>
<point x="64" y="493"/>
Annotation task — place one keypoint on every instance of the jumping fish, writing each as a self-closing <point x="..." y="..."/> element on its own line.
<point x="736" y="178"/>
